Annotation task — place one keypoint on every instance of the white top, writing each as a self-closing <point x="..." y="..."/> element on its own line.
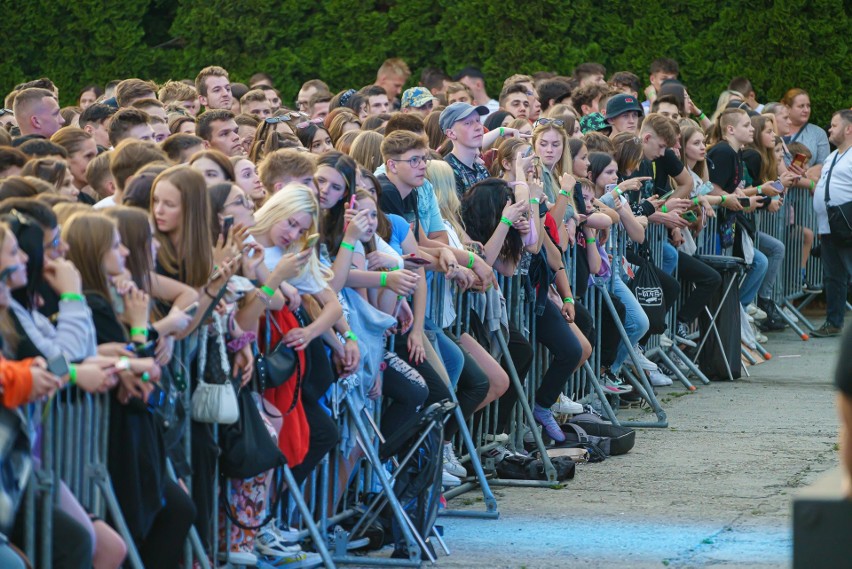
<point x="493" y="105"/>
<point x="108" y="201"/>
<point x="840" y="188"/>
<point x="306" y="282"/>
<point x="382" y="247"/>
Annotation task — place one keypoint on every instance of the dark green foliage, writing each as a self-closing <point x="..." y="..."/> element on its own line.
<point x="778" y="44"/>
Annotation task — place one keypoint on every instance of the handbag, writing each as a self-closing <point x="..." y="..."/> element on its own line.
<point x="247" y="447"/>
<point x="276" y="366"/>
<point x="645" y="285"/>
<point x="839" y="216"/>
<point x="214" y="402"/>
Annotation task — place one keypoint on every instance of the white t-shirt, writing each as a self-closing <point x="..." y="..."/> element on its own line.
<point x="382" y="247"/>
<point x="306" y="282"/>
<point x="108" y="201"/>
<point x="840" y="187"/>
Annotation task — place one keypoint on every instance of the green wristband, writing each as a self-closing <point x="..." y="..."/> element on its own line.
<point x="471" y="260"/>
<point x="695" y="200"/>
<point x="664" y="209"/>
<point x="72" y="374"/>
<point x="534" y="200"/>
<point x="760" y="190"/>
<point x="72" y="296"/>
<point x="590" y="240"/>
<point x="139" y="332"/>
<point x="565" y="193"/>
<point x="723" y="199"/>
<point x="702" y="116"/>
<point x="269" y="291"/>
<point x="383" y="280"/>
<point x="568" y="300"/>
<point x="350" y="335"/>
<point x="506" y="220"/>
<point x="502" y="130"/>
<point x="146" y="377"/>
<point x="345" y="245"/>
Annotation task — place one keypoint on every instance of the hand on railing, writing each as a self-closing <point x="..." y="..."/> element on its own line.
<point x="678" y="205"/>
<point x="164" y="349"/>
<point x="44" y="383"/>
<point x="377" y="260"/>
<point x="405" y="317"/>
<point x="115" y="350"/>
<point x="402" y="282"/>
<point x="463" y="277"/>
<point x="346" y="357"/>
<point x="789" y="179"/>
<point x="97" y="374"/>
<point x="775" y="205"/>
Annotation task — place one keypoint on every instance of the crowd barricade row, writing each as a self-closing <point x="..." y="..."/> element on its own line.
<point x="74" y="425"/>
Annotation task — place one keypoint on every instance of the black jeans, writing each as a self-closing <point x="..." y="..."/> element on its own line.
<point x="521" y="354"/>
<point x="163" y="546"/>
<point x="72" y="544"/>
<point x="565" y="353"/>
<point x="706" y="279"/>
<point x="406" y="390"/>
<point x="837" y="270"/>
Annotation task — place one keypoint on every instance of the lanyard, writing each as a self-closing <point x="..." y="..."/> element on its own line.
<point x="830" y="170"/>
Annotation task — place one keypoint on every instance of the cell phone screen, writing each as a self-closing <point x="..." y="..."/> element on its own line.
<point x="745" y="202"/>
<point x="58" y="366"/>
<point x="226" y="226"/>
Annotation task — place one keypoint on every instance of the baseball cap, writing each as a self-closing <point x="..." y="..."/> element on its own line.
<point x="416" y="97"/>
<point x="593" y="122"/>
<point x="620" y="104"/>
<point x="469" y="72"/>
<point x="459" y="111"/>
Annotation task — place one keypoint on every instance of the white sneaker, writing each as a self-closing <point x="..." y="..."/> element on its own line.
<point x="448" y="480"/>
<point x="755" y="312"/>
<point x="665" y="341"/>
<point x="564" y="406"/>
<point x="269" y="544"/>
<point x="760" y="338"/>
<point x="658" y="378"/>
<point x="242" y="557"/>
<point x="451" y="462"/>
<point x="643" y="361"/>
<point x="750" y="318"/>
<point x="500" y="438"/>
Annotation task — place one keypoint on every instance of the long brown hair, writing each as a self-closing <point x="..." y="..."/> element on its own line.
<point x="8" y="332"/>
<point x="768" y="163"/>
<point x="89" y="236"/>
<point x="192" y="260"/>
<point x="135" y="228"/>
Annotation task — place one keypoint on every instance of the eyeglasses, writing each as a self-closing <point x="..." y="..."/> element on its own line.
<point x="284" y="117"/>
<point x="6" y="112"/>
<point x="414" y="161"/>
<point x="543" y="122"/>
<point x="55" y="242"/>
<point x="307" y="123"/>
<point x="243" y="200"/>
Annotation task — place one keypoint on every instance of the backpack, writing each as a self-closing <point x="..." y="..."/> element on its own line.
<point x="649" y="292"/>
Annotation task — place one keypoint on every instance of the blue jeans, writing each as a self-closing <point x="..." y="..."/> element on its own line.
<point x="774" y="251"/>
<point x="753" y="279"/>
<point x="448" y="351"/>
<point x="669" y="261"/>
<point x="635" y="321"/>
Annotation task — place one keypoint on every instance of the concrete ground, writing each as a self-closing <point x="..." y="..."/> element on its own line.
<point x="713" y="489"/>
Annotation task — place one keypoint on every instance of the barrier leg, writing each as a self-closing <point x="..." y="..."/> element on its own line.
<point x="101" y="478"/>
<point x="307" y="518"/>
<point x="668" y="361"/>
<point x="596" y="385"/>
<point x="688" y="363"/>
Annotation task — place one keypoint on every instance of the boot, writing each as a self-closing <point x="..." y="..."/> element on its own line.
<point x="774" y="322"/>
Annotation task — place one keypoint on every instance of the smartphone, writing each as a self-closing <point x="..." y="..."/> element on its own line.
<point x="191" y="309"/>
<point x="352" y="201"/>
<point x="666" y="195"/>
<point x="777" y="185"/>
<point x="58" y="366"/>
<point x="799" y="160"/>
<point x="226" y="226"/>
<point x="690" y="216"/>
<point x="745" y="202"/>
<point x="117" y="300"/>
<point x="311" y="241"/>
<point x="415" y="260"/>
<point x="218" y="272"/>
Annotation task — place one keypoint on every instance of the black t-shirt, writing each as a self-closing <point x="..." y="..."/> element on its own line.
<point x="725" y="166"/>
<point x="753" y="163"/>
<point x="393" y="202"/>
<point x="843" y="375"/>
<point x="660" y="170"/>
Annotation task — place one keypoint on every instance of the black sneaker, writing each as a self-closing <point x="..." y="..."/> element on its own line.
<point x="771" y="325"/>
<point x="827" y="331"/>
<point x="811" y="288"/>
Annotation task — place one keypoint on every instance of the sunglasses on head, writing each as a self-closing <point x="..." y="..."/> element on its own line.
<point x="542" y="122"/>
<point x="6" y="112"/>
<point x="307" y="123"/>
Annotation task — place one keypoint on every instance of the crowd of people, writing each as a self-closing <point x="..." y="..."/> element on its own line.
<point x="148" y="214"/>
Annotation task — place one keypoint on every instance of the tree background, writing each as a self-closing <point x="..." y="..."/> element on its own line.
<point x="778" y="44"/>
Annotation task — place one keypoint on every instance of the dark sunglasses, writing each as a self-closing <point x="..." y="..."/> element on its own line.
<point x="6" y="112"/>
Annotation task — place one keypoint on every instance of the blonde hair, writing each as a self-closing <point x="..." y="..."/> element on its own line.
<point x="366" y="149"/>
<point x="284" y="204"/>
<point x="565" y="163"/>
<point x="444" y="183"/>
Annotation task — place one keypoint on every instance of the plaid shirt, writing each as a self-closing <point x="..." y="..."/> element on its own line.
<point x="465" y="175"/>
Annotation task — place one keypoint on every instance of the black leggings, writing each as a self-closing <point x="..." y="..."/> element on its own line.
<point x="163" y="546"/>
<point x="565" y="353"/>
<point x="71" y="545"/>
<point x="406" y="389"/>
<point x="318" y="378"/>
<point x="706" y="279"/>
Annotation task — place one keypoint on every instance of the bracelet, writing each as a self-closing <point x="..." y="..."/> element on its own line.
<point x="568" y="300"/>
<point x="664" y="209"/>
<point x="207" y="292"/>
<point x="702" y="116"/>
<point x="760" y="190"/>
<point x="72" y="296"/>
<point x="723" y="199"/>
<point x="502" y="130"/>
<point x="590" y="240"/>
<point x="506" y="220"/>
<point x="345" y="245"/>
<point x="565" y="193"/>
<point x="617" y="190"/>
<point x="695" y="200"/>
<point x="535" y="201"/>
<point x="241" y="342"/>
<point x="350" y="335"/>
<point x="123" y="364"/>
<point x="139" y="332"/>
<point x="471" y="260"/>
<point x="146" y="377"/>
<point x="383" y="280"/>
<point x="812" y="185"/>
<point x="72" y="374"/>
